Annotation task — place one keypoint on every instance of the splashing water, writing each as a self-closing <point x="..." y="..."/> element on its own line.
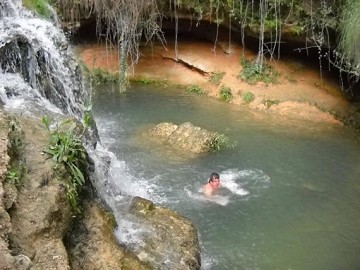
<point x="36" y="63"/>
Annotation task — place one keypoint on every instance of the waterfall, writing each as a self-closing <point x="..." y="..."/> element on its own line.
<point x="37" y="66"/>
<point x="39" y="75"/>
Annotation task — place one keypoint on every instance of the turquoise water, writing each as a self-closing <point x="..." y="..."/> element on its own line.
<point x="290" y="196"/>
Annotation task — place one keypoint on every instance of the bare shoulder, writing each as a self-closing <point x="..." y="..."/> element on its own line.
<point x="208" y="189"/>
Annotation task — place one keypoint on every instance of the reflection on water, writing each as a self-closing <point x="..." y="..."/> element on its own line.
<point x="290" y="188"/>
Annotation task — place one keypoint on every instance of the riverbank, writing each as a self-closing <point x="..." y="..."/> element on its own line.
<point x="301" y="90"/>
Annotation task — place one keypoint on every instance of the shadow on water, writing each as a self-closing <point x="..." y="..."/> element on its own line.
<point x="290" y="188"/>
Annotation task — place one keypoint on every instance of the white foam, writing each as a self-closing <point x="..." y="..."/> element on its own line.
<point x="130" y="233"/>
<point x="248" y="182"/>
<point x="200" y="196"/>
<point x="23" y="98"/>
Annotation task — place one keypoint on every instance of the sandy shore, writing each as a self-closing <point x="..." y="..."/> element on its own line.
<point x="301" y="92"/>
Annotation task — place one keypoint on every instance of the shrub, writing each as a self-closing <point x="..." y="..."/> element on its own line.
<point x="248" y="97"/>
<point x="221" y="141"/>
<point x="253" y="72"/>
<point x="216" y="77"/>
<point x="225" y="93"/>
<point x="195" y="89"/>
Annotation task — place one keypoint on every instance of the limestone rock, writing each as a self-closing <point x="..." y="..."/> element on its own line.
<point x="171" y="236"/>
<point x="186" y="136"/>
<point x="93" y="246"/>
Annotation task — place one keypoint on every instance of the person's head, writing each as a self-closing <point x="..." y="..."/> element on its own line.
<point x="214" y="180"/>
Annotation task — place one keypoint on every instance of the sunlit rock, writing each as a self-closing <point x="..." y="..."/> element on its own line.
<point x="186" y="137"/>
<point x="170" y="236"/>
<point x="92" y="244"/>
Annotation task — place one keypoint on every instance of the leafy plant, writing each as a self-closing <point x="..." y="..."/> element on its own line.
<point x="253" y="72"/>
<point x="66" y="148"/>
<point x="195" y="89"/>
<point x="216" y="77"/>
<point x="221" y="141"/>
<point x="269" y="102"/>
<point x="225" y="93"/>
<point x="13" y="176"/>
<point x="248" y="97"/>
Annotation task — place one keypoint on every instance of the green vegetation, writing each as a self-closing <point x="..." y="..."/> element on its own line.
<point x="216" y="77"/>
<point x="349" y="58"/>
<point x="269" y="20"/>
<point x="15" y="151"/>
<point x="248" y="97"/>
<point x="101" y="76"/>
<point x="225" y="93"/>
<point x="147" y="81"/>
<point x="253" y="73"/>
<point x="66" y="148"/>
<point x="41" y="7"/>
<point x="221" y="141"/>
<point x="270" y="102"/>
<point x="195" y="89"/>
<point x="13" y="176"/>
<point x="16" y="136"/>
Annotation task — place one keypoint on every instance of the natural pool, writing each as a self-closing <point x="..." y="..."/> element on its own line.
<point x="291" y="188"/>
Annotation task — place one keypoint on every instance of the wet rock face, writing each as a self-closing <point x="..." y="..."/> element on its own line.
<point x="185" y="136"/>
<point x="92" y="244"/>
<point x="171" y="236"/>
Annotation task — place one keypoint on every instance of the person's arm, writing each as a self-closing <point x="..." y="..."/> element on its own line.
<point x="208" y="190"/>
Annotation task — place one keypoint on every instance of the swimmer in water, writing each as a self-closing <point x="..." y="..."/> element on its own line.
<point x="212" y="185"/>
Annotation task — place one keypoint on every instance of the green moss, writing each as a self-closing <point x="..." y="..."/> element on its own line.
<point x="102" y="76"/>
<point x="41" y="7"/>
<point x="148" y="81"/>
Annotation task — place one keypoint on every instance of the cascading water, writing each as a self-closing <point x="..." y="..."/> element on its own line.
<point x="36" y="64"/>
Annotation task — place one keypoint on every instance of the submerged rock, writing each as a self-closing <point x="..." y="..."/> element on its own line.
<point x="186" y="137"/>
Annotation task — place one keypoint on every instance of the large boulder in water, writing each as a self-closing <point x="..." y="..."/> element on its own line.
<point x="92" y="244"/>
<point x="171" y="236"/>
<point x="186" y="136"/>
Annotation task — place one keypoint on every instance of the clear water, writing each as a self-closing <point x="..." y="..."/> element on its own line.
<point x="291" y="188"/>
